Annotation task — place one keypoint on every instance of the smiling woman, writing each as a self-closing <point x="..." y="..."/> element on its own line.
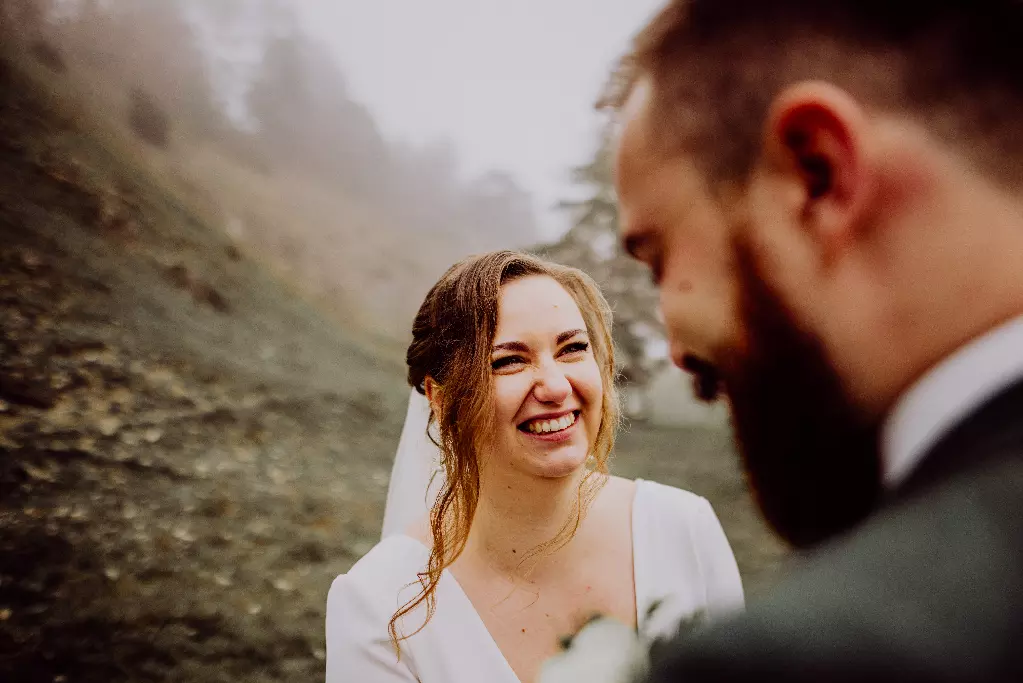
<point x="543" y="353"/>
<point x="488" y="335"/>
<point x="529" y="534"/>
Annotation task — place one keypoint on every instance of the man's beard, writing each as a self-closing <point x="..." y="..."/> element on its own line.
<point x="811" y="460"/>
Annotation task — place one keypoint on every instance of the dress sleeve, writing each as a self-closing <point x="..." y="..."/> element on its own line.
<point x="359" y="649"/>
<point x="717" y="563"/>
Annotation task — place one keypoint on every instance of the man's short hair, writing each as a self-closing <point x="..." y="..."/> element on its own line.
<point x="716" y="65"/>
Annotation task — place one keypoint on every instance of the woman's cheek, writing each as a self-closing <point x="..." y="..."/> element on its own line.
<point x="509" y="393"/>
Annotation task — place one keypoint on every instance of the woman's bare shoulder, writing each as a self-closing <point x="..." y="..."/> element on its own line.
<point x="420" y="531"/>
<point x="620" y="492"/>
<point x="613" y="507"/>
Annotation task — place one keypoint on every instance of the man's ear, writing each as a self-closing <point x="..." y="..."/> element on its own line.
<point x="815" y="137"/>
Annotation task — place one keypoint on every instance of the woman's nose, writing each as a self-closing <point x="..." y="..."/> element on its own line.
<point x="552" y="386"/>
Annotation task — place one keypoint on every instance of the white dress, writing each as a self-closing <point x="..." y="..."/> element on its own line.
<point x="680" y="558"/>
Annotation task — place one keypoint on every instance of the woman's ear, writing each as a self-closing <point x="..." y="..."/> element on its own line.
<point x="434" y="394"/>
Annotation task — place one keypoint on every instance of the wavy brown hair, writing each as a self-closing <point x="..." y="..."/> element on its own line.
<point x="451" y="345"/>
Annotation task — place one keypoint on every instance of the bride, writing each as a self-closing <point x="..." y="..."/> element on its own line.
<point x="523" y="534"/>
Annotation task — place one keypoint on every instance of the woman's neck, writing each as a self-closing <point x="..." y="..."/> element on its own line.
<point x="517" y="514"/>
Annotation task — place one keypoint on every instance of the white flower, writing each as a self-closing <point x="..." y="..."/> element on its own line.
<point x="604" y="651"/>
<point x="607" y="651"/>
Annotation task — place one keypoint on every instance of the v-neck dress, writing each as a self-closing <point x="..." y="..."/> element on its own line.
<point x="681" y="559"/>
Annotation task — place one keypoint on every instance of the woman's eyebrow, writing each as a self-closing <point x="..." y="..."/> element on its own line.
<point x="565" y="336"/>
<point x="524" y="348"/>
<point x="511" y="346"/>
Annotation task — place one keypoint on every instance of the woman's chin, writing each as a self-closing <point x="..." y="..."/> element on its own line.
<point x="559" y="465"/>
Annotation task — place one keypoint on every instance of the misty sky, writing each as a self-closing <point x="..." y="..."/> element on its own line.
<point x="510" y="82"/>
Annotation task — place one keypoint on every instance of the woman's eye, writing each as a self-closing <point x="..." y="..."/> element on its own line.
<point x="505" y="362"/>
<point x="576" y="347"/>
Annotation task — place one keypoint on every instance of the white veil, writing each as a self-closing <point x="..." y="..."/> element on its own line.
<point x="410" y="493"/>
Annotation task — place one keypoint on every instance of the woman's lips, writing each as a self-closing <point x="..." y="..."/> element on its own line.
<point x="554" y="435"/>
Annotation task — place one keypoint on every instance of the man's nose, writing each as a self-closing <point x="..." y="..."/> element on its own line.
<point x="552" y="386"/>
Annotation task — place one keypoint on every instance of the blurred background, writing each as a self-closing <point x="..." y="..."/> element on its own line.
<point x="217" y="219"/>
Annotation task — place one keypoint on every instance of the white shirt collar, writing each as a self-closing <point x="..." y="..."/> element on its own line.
<point x="946" y="394"/>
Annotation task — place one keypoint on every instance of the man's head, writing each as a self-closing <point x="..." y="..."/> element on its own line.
<point x="827" y="193"/>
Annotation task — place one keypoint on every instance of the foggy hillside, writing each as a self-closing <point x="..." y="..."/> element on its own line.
<point x="237" y="100"/>
<point x="194" y="444"/>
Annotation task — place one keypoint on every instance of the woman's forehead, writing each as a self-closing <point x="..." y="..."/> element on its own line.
<point x="536" y="305"/>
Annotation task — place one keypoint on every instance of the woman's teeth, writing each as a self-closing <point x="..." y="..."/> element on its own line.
<point x="547" y="426"/>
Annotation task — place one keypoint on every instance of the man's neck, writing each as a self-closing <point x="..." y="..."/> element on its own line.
<point x="518" y="513"/>
<point x="953" y="272"/>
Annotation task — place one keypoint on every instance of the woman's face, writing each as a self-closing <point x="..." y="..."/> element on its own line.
<point x="548" y="391"/>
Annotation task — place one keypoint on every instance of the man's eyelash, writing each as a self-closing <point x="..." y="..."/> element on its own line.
<point x="656" y="273"/>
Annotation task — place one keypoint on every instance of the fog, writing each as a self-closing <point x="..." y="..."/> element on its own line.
<point x="511" y="84"/>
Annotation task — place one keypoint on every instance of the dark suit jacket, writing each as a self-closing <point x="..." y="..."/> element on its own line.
<point x="929" y="589"/>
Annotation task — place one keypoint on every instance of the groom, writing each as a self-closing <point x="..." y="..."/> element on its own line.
<point x="829" y="196"/>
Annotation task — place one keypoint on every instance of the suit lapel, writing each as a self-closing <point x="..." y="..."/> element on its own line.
<point x="988" y="432"/>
